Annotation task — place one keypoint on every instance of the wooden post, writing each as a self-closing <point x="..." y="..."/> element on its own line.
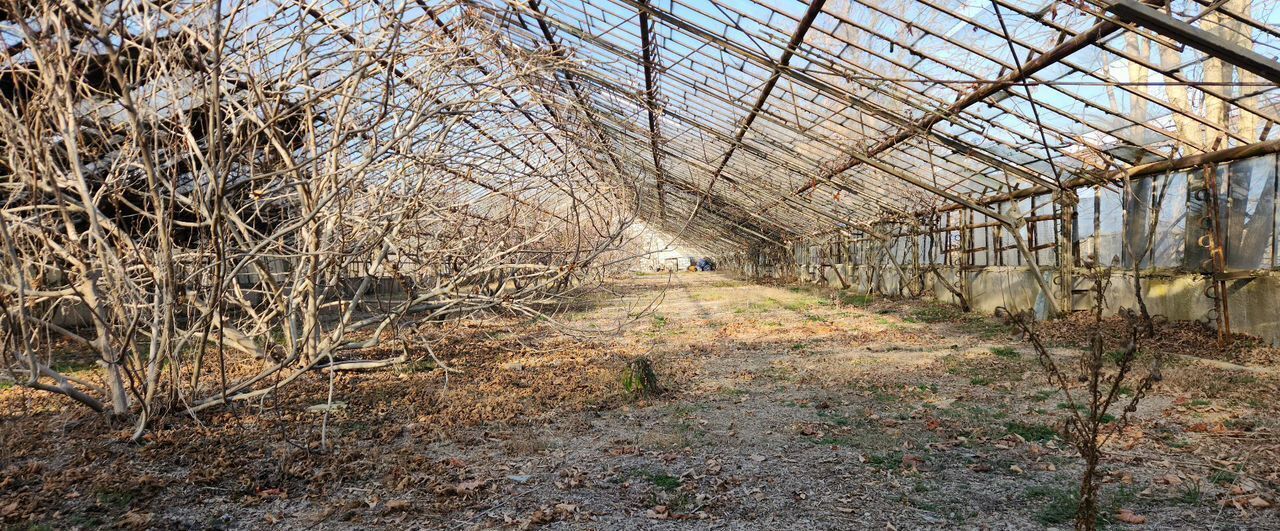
<point x="1066" y="200"/>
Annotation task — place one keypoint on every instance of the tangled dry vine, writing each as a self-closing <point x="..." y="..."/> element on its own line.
<point x="189" y="190"/>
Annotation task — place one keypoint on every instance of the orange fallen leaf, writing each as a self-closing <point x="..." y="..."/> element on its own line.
<point x="658" y="513"/>
<point x="136" y="520"/>
<point x="1129" y="517"/>
<point x="911" y="461"/>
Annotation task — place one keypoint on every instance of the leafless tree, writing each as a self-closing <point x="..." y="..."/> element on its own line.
<point x="230" y="195"/>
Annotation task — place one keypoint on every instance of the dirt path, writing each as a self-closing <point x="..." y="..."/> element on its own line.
<point x="787" y="408"/>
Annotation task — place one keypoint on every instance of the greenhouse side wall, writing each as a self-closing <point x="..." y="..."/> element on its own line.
<point x="1157" y="221"/>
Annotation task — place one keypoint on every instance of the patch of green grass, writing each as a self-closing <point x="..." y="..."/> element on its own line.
<point x="833" y="441"/>
<point x="1199" y="402"/>
<point x="929" y="388"/>
<point x="415" y="366"/>
<point x="979" y="380"/>
<point x="985" y="328"/>
<point x="1031" y="432"/>
<point x="6" y="384"/>
<point x="922" y="504"/>
<point x="1220" y="387"/>
<point x="732" y="391"/>
<point x="1043" y="395"/>
<point x="355" y="427"/>
<point x="977" y="412"/>
<point x="1222" y="477"/>
<point x="889" y="461"/>
<point x="760" y="306"/>
<point x="799" y="346"/>
<point x="659" y="321"/>
<point x="1190" y="493"/>
<point x="73" y="366"/>
<point x="1057" y="505"/>
<point x="882" y="394"/>
<point x="937" y="313"/>
<point x="662" y="481"/>
<point x="1005" y="352"/>
<point x="118" y="499"/>
<point x="1240" y="424"/>
<point x="1115" y="356"/>
<point x="1115" y="500"/>
<point x="797" y="305"/>
<point x="833" y="418"/>
<point x="854" y="299"/>
<point x="687" y="410"/>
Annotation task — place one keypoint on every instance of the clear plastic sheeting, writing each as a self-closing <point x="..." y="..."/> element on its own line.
<point x="1199" y="224"/>
<point x="1251" y="214"/>
<point x="1168" y="245"/>
<point x="1161" y="221"/>
<point x="981" y="249"/>
<point x="1084" y="233"/>
<point x="1110" y="227"/>
<point x="1137" y="221"/>
<point x="1043" y="232"/>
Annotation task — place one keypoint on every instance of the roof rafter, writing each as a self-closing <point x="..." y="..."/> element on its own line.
<point x="797" y="38"/>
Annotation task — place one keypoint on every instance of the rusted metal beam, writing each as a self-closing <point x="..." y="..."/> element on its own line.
<point x="797" y="38"/>
<point x="647" y="47"/>
<point x="1182" y="32"/>
<point x="1030" y="68"/>
<point x="800" y="77"/>
<point x="581" y="100"/>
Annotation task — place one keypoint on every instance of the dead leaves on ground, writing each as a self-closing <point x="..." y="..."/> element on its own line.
<point x="1127" y="516"/>
<point x="463" y="489"/>
<point x="547" y="514"/>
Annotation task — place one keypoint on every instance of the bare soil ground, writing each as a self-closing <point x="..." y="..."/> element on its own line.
<point x="786" y="408"/>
